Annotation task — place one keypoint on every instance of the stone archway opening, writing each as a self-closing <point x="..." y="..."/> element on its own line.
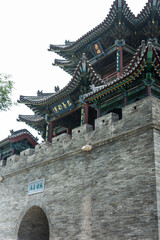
<point x="34" y="225"/>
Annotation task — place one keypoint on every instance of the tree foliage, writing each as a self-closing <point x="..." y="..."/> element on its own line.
<point x="6" y="87"/>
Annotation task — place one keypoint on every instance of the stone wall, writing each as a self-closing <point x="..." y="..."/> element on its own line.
<point x="110" y="192"/>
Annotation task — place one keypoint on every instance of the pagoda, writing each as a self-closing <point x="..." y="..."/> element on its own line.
<point x="15" y="143"/>
<point x="113" y="65"/>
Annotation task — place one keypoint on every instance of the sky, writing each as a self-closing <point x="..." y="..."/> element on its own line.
<point x="27" y="28"/>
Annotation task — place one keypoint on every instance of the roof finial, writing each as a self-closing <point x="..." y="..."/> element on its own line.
<point x="119" y="3"/>
<point x="142" y="46"/>
<point x="11" y="132"/>
<point x="39" y="93"/>
<point x="84" y="59"/>
<point x="84" y="56"/>
<point x="149" y="44"/>
<point x="56" y="89"/>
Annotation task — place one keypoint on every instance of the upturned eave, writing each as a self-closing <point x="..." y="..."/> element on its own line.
<point x="128" y="16"/>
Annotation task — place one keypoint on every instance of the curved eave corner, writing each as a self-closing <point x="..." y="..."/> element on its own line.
<point x="134" y="69"/>
<point x="99" y="29"/>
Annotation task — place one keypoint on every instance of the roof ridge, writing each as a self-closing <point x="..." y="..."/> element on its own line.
<point x="92" y="30"/>
<point x="72" y="84"/>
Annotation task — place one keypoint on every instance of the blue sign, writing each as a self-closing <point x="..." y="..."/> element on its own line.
<point x="63" y="106"/>
<point x="36" y="186"/>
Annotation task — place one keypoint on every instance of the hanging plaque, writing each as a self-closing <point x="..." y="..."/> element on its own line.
<point x="96" y="48"/>
<point x="62" y="106"/>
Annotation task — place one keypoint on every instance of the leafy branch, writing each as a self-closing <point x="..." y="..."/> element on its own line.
<point x="6" y="87"/>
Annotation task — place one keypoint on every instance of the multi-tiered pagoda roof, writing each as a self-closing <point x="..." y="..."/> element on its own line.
<point x="112" y="65"/>
<point x="120" y="23"/>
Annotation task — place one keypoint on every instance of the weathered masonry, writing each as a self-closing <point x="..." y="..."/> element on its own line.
<point x="96" y="175"/>
<point x="109" y="190"/>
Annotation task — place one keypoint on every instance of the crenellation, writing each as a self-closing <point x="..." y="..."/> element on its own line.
<point x="142" y="106"/>
<point x="61" y="139"/>
<point x="136" y="115"/>
<point x="1" y="164"/>
<point x="11" y="163"/>
<point x="43" y="145"/>
<point x="27" y="152"/>
<point x="106" y="120"/>
<point x="13" y="158"/>
<point x="81" y="130"/>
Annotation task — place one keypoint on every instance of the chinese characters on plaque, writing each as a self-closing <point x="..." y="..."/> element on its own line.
<point x="63" y="106"/>
<point x="82" y="114"/>
<point x="96" y="48"/>
<point x="36" y="186"/>
<point x="118" y="61"/>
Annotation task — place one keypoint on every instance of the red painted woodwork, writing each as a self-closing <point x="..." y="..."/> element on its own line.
<point x="21" y="137"/>
<point x="98" y="112"/>
<point x="149" y="93"/>
<point x="50" y="131"/>
<point x="86" y="112"/>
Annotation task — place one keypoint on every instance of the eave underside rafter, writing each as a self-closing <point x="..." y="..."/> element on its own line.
<point x="136" y="67"/>
<point x="84" y="69"/>
<point x="127" y="15"/>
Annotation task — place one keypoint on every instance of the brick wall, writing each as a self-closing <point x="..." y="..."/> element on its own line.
<point x="110" y="192"/>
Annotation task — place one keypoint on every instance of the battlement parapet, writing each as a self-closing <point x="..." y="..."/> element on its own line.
<point x="61" y="140"/>
<point x="27" y="152"/>
<point x="106" y="120"/>
<point x="134" y="116"/>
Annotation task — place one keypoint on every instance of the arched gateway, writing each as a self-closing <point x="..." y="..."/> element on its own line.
<point x="34" y="225"/>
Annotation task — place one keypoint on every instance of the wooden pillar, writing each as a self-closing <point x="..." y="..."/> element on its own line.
<point x="98" y="108"/>
<point x="69" y="131"/>
<point x="49" y="128"/>
<point x="47" y="132"/>
<point x="125" y="94"/>
<point x="50" y="131"/>
<point x="13" y="151"/>
<point x="86" y="112"/>
<point x="148" y="83"/>
<point x="149" y="93"/>
<point x="98" y="112"/>
<point x="125" y="99"/>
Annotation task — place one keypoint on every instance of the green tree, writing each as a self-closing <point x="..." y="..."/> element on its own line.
<point x="6" y="87"/>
